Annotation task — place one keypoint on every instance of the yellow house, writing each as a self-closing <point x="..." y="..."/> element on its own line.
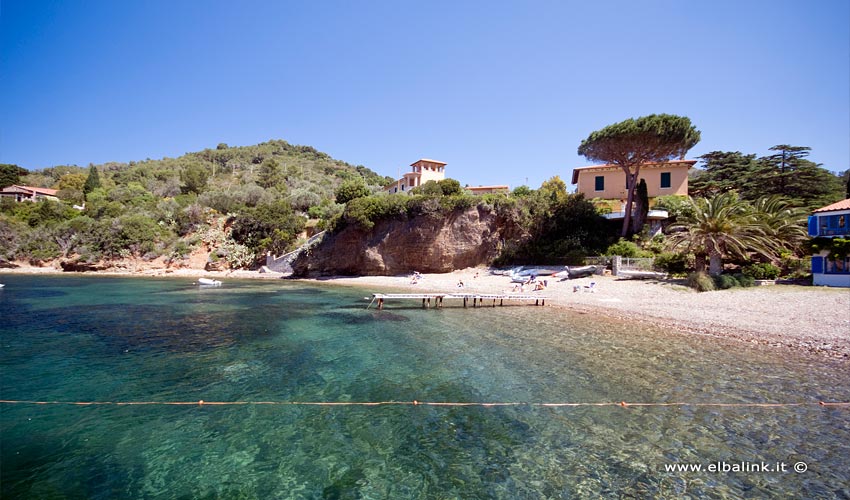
<point x="422" y="171"/>
<point x="609" y="181"/>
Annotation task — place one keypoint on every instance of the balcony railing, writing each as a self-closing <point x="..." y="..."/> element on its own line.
<point x="833" y="231"/>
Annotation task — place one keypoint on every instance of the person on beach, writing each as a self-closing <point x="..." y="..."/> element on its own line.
<point x="460" y="284"/>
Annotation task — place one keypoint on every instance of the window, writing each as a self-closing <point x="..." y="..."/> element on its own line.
<point x="838" y="265"/>
<point x="833" y="225"/>
<point x="665" y="180"/>
<point x="600" y="183"/>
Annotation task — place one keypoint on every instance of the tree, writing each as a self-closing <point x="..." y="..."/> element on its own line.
<point x="450" y="187"/>
<point x="785" y="224"/>
<point x="553" y="190"/>
<point x="135" y="233"/>
<point x="565" y="229"/>
<point x="351" y="189"/>
<point x="92" y="181"/>
<point x="721" y="226"/>
<point x="641" y="205"/>
<point x="268" y="227"/>
<point x="11" y="174"/>
<point x="635" y="142"/>
<point x="430" y="188"/>
<point x="71" y="182"/>
<point x="194" y="178"/>
<point x="444" y="187"/>
<point x="847" y="184"/>
<point x="789" y="174"/>
<point x="723" y="171"/>
<point x="270" y="174"/>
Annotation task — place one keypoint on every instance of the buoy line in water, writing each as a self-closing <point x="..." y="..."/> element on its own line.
<point x="624" y="404"/>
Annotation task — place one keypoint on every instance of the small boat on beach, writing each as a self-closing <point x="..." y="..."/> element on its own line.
<point x="640" y="275"/>
<point x="573" y="272"/>
<point x="208" y="282"/>
<point x="522" y="274"/>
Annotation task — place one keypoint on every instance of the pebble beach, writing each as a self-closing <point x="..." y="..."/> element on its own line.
<point x="813" y="319"/>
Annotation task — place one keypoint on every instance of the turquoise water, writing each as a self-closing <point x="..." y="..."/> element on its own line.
<point x="110" y="339"/>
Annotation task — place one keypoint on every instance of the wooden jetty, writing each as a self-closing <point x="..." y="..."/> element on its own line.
<point x="476" y="298"/>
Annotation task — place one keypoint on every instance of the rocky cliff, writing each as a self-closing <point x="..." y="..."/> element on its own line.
<point x="425" y="243"/>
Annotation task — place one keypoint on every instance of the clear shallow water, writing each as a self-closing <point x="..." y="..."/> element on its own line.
<point x="110" y="339"/>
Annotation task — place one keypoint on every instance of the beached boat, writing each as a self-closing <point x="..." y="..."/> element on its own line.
<point x="573" y="272"/>
<point x="634" y="274"/>
<point x="208" y="282"/>
<point x="524" y="273"/>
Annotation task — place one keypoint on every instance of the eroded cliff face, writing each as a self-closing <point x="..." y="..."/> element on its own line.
<point x="426" y="243"/>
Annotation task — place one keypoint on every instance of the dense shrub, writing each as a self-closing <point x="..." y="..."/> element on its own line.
<point x="445" y="187"/>
<point x="132" y="234"/>
<point x="762" y="271"/>
<point x="450" y="203"/>
<point x="268" y="227"/>
<point x="701" y="282"/>
<point x="672" y="263"/>
<point x="370" y="209"/>
<point x="562" y="228"/>
<point x="625" y="248"/>
<point x="838" y="247"/>
<point x="725" y="282"/>
<point x="303" y="200"/>
<point x="351" y="190"/>
<point x="675" y="205"/>
<point x="744" y="280"/>
<point x="38" y="245"/>
<point x="430" y="188"/>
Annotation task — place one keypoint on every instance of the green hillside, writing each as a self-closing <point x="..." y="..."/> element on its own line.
<point x="151" y="208"/>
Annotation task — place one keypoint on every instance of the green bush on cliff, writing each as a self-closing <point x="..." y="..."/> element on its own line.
<point x="370" y="209"/>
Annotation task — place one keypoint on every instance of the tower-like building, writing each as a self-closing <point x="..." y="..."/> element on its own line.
<point x="422" y="171"/>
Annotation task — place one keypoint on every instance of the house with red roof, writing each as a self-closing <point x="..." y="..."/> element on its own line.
<point x="28" y="193"/>
<point x="422" y="171"/>
<point x="829" y="226"/>
<point x="425" y="170"/>
<point x="606" y="185"/>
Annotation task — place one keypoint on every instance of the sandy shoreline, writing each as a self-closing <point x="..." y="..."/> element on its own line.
<point x="814" y="319"/>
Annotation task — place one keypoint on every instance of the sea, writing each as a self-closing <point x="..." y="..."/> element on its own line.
<point x="704" y="417"/>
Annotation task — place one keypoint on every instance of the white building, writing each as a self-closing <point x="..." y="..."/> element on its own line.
<point x="423" y="170"/>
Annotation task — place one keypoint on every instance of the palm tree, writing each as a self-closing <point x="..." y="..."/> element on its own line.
<point x="722" y="226"/>
<point x="785" y="224"/>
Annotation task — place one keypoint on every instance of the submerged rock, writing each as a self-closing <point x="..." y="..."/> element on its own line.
<point x="80" y="266"/>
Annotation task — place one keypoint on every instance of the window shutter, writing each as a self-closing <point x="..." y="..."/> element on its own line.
<point x="817" y="264"/>
<point x="813" y="225"/>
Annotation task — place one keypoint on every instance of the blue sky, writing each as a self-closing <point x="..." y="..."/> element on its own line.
<point x="503" y="92"/>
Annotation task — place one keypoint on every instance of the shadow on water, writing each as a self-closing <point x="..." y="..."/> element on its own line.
<point x="362" y="317"/>
<point x="146" y="326"/>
